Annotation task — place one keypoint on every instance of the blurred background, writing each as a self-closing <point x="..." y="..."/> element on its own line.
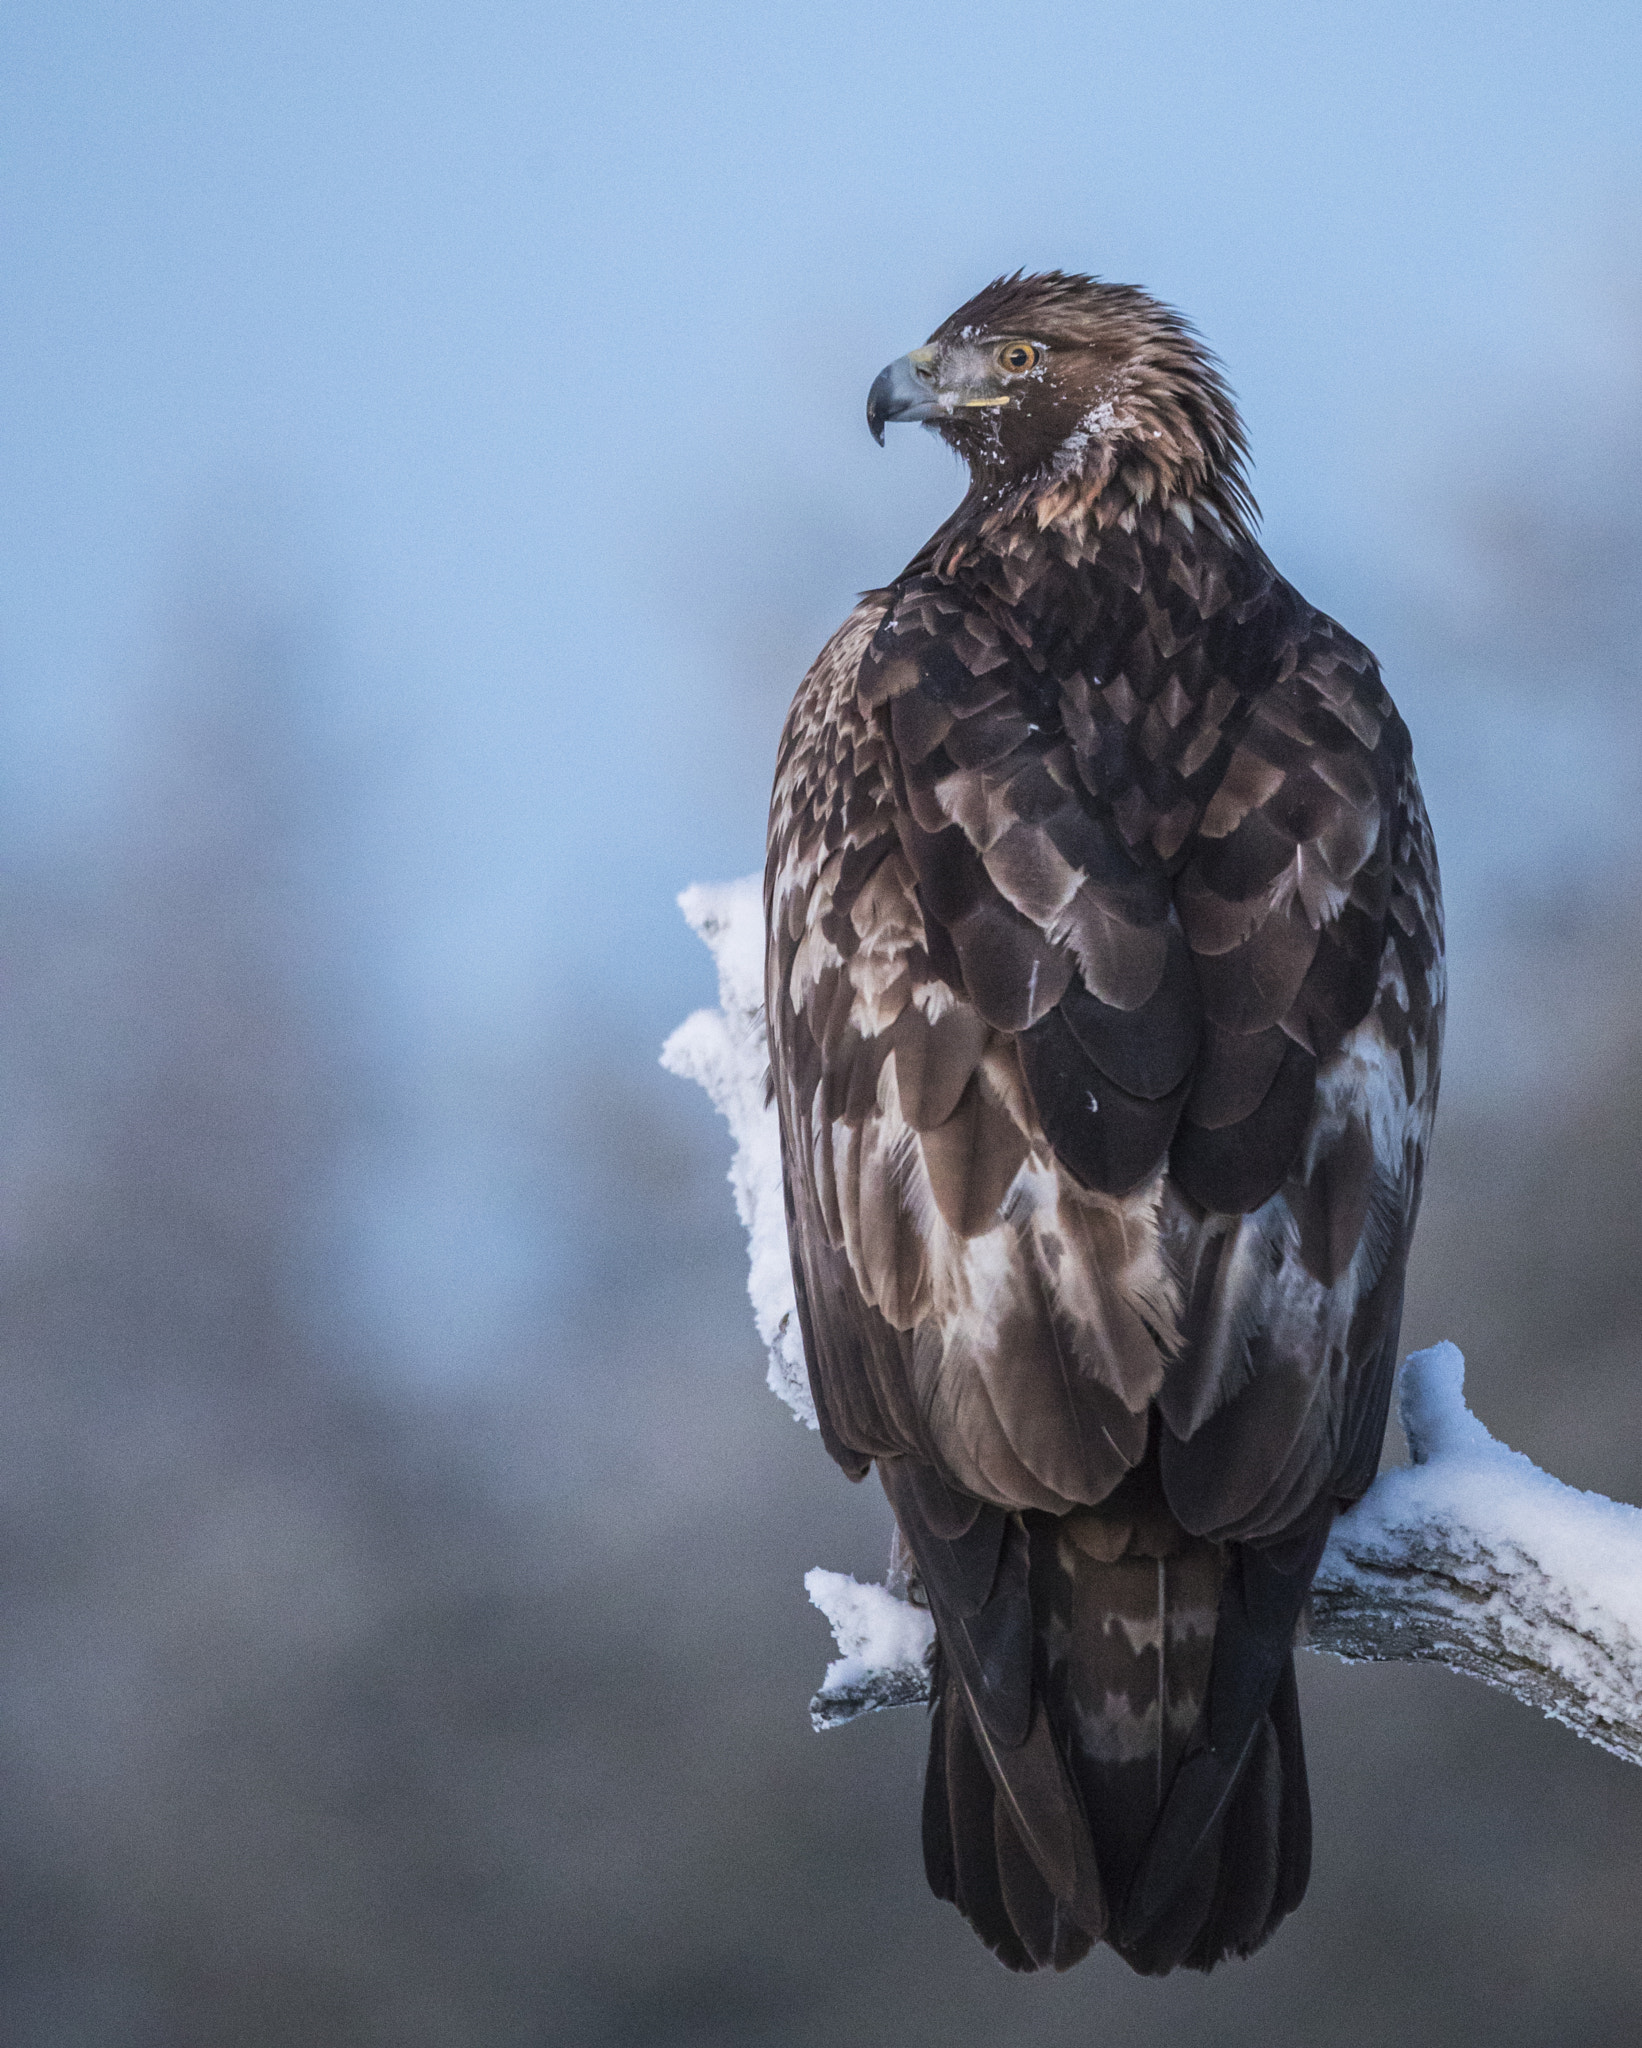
<point x="433" y="451"/>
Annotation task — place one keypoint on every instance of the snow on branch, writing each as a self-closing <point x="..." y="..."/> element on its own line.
<point x="1470" y="1556"/>
<point x="1474" y="1558"/>
<point x="725" y="1050"/>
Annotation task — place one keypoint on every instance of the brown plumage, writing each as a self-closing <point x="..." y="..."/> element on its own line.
<point x="1105" y="1001"/>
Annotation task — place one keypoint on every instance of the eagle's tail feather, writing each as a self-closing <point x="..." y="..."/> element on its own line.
<point x="1177" y="1721"/>
<point x="1248" y="1873"/>
<point x="974" y="1856"/>
<point x="1236" y="1805"/>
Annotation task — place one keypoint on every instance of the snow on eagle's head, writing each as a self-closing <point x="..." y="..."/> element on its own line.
<point x="1058" y="385"/>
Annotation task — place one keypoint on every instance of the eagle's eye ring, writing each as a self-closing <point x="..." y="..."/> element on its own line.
<point x="1015" y="358"/>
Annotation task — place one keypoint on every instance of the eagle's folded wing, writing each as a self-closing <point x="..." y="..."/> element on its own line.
<point x="964" y="1300"/>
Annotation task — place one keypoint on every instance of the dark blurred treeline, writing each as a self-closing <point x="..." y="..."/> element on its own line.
<point x="336" y="1709"/>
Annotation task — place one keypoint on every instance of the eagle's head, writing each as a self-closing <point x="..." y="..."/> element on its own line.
<point x="1061" y="385"/>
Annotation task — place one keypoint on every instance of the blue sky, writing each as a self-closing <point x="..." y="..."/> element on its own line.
<point x="529" y="346"/>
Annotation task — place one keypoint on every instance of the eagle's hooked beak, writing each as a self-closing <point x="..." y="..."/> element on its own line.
<point x="906" y="390"/>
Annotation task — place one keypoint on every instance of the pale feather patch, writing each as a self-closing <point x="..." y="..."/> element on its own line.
<point x="1099" y="423"/>
<point x="1322" y="895"/>
<point x="1101" y="1263"/>
<point x="933" y="999"/>
<point x="1112" y="1731"/>
<point x="1364" y="1082"/>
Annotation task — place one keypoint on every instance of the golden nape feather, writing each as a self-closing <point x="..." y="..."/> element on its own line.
<point x="1104" y="992"/>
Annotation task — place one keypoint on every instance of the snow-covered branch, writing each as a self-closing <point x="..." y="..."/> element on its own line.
<point x="1469" y="1557"/>
<point x="1474" y="1558"/>
<point x="726" y="1051"/>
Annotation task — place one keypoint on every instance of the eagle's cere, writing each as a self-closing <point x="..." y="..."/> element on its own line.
<point x="1104" y="991"/>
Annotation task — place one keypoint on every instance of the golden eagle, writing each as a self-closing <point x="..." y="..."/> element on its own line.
<point x="1105" y="997"/>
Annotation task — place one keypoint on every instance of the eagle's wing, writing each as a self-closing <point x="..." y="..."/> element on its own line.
<point x="965" y="1301"/>
<point x="837" y="986"/>
<point x="1312" y="904"/>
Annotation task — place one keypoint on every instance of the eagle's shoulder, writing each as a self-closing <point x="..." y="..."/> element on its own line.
<point x="824" y="712"/>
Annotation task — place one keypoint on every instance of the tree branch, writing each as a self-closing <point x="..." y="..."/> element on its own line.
<point x="1470" y="1556"/>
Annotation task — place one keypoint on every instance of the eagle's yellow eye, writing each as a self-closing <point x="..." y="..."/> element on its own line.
<point x="1015" y="358"/>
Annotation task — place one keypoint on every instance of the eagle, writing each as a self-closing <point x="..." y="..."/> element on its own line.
<point x="1104" y="988"/>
